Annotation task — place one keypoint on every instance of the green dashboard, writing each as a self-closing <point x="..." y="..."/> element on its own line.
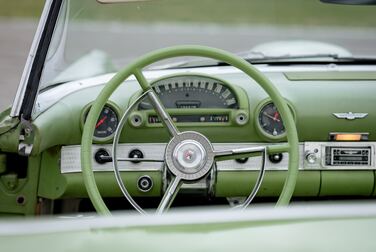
<point x="231" y="110"/>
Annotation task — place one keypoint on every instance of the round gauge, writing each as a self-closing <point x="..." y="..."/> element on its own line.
<point x="106" y="124"/>
<point x="271" y="121"/>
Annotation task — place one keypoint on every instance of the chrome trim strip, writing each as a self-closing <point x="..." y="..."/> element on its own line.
<point x="71" y="162"/>
<point x="70" y="158"/>
<point x="17" y="103"/>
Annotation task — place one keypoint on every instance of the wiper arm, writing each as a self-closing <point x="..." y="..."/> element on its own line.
<point x="291" y="57"/>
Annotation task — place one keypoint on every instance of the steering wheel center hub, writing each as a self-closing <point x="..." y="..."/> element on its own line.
<point x="189" y="156"/>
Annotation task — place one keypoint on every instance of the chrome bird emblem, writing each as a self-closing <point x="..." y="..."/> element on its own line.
<point x="350" y="115"/>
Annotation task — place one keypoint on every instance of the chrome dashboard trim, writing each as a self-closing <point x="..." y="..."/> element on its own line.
<point x="71" y="162"/>
<point x="350" y="115"/>
<point x="70" y="158"/>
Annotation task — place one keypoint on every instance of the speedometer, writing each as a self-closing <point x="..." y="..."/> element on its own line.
<point x="191" y="92"/>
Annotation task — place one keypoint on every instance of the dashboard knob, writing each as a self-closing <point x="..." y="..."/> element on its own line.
<point x="311" y="158"/>
<point x="276" y="158"/>
<point x="144" y="183"/>
<point x="136" y="153"/>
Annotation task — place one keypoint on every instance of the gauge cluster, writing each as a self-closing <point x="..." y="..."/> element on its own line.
<point x="195" y="100"/>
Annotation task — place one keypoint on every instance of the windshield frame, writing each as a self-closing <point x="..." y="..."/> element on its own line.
<point x="27" y="91"/>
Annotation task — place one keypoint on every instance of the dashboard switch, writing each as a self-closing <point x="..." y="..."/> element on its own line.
<point x="241" y="160"/>
<point x="276" y="158"/>
<point x="136" y="153"/>
<point x="102" y="156"/>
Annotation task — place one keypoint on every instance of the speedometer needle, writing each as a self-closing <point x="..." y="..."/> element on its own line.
<point x="101" y="121"/>
<point x="272" y="117"/>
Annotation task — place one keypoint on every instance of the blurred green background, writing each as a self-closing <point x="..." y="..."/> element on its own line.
<point x="283" y="12"/>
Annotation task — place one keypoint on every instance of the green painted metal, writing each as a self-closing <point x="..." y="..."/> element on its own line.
<point x="331" y="75"/>
<point x="202" y="51"/>
<point x="351" y="183"/>
<point x="7" y="122"/>
<point x="3" y="163"/>
<point x="19" y="195"/>
<point x="240" y="183"/>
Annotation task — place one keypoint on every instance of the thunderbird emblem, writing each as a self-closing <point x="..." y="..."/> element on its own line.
<point x="350" y="115"/>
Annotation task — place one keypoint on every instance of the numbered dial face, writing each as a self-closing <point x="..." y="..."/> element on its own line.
<point x="107" y="123"/>
<point x="271" y="121"/>
<point x="190" y="92"/>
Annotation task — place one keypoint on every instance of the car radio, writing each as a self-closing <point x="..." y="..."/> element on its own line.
<point x="339" y="155"/>
<point x="348" y="156"/>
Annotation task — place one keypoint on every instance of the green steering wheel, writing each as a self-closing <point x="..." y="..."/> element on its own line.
<point x="183" y="140"/>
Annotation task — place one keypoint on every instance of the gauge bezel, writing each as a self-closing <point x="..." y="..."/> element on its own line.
<point x="265" y="135"/>
<point x="238" y="92"/>
<point x="85" y="112"/>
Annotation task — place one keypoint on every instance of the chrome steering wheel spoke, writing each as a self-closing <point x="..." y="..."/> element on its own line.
<point x="170" y="194"/>
<point x="157" y="104"/>
<point x="222" y="155"/>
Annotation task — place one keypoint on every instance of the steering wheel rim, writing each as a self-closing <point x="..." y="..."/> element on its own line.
<point x="136" y="67"/>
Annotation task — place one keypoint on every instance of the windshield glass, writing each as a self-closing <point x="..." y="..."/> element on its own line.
<point x="93" y="39"/>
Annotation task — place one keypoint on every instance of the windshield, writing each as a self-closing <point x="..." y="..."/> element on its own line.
<point x="93" y="39"/>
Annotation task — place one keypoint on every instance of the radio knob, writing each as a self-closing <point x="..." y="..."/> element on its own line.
<point x="311" y="158"/>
